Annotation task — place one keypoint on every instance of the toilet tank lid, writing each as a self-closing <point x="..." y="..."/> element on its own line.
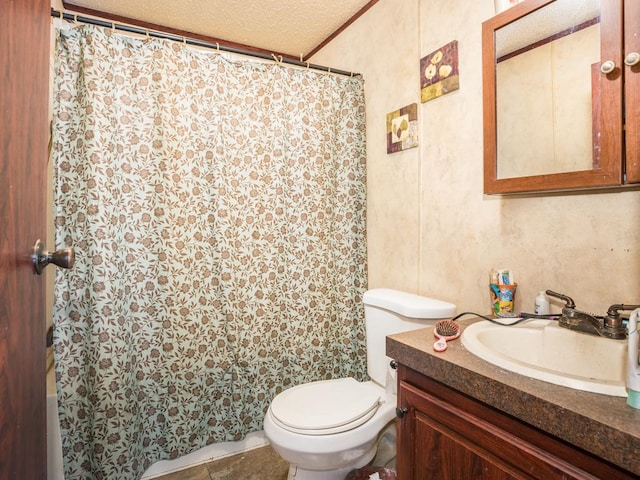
<point x="408" y="304"/>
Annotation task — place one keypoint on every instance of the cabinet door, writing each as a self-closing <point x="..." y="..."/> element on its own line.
<point x="437" y="439"/>
<point x="441" y="452"/>
<point x="632" y="90"/>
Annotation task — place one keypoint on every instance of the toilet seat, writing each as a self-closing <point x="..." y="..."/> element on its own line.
<point x="326" y="407"/>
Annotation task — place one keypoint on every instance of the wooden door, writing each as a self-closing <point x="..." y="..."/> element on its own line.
<point x="24" y="79"/>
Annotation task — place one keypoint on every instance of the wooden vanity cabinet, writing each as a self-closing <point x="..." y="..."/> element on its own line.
<point x="446" y="435"/>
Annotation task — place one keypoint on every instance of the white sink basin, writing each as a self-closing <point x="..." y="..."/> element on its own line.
<point x="541" y="349"/>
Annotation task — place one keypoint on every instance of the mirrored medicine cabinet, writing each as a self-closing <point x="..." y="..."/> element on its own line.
<point x="561" y="93"/>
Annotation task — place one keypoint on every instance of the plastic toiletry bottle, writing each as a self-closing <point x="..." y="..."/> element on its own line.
<point x="541" y="304"/>
<point x="633" y="364"/>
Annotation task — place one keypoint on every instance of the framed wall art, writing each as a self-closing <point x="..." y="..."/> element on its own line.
<point x="439" y="72"/>
<point x="402" y="129"/>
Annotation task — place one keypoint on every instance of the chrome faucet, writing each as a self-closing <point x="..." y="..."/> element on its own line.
<point x="609" y="326"/>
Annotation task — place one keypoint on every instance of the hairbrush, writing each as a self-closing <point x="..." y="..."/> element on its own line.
<point x="445" y="330"/>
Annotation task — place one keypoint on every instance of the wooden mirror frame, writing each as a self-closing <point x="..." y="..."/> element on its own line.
<point x="610" y="171"/>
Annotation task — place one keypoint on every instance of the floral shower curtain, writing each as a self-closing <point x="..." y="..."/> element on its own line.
<point x="217" y="208"/>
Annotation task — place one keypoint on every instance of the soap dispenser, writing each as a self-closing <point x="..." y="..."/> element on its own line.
<point x="633" y="364"/>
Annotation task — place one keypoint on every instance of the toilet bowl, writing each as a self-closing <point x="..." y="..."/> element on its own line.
<point x="341" y="436"/>
<point x="326" y="429"/>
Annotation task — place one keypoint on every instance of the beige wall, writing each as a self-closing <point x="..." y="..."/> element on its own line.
<point x="430" y="228"/>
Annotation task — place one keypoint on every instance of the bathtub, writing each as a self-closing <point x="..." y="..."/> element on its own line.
<point x="54" y="442"/>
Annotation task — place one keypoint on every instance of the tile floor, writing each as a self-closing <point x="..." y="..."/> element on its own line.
<point x="259" y="464"/>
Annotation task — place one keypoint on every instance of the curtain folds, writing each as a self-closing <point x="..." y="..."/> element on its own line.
<point x="217" y="208"/>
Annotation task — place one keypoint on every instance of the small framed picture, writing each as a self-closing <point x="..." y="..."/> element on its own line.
<point x="439" y="72"/>
<point x="402" y="129"/>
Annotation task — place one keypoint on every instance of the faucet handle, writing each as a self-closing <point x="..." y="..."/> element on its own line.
<point x="612" y="322"/>
<point x="613" y="309"/>
<point x="569" y="303"/>
<point x="613" y="318"/>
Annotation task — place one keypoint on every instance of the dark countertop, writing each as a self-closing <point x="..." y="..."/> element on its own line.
<point x="600" y="424"/>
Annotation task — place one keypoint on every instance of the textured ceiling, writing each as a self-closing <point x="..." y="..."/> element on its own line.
<point x="291" y="27"/>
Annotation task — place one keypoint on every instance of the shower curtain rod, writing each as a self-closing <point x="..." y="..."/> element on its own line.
<point x="192" y="41"/>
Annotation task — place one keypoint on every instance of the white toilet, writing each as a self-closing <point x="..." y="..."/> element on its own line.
<point x="326" y="429"/>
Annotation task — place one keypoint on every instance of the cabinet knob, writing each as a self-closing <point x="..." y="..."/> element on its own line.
<point x="608" y="67"/>
<point x="632" y="59"/>
<point x="401" y="412"/>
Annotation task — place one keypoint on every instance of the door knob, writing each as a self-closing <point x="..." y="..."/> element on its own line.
<point x="41" y="258"/>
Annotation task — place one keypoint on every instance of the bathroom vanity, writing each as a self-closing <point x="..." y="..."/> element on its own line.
<point x="462" y="417"/>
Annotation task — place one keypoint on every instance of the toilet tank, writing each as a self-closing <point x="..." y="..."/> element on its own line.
<point x="389" y="311"/>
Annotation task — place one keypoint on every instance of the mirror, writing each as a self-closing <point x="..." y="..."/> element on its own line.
<point x="545" y="78"/>
<point x="543" y="92"/>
